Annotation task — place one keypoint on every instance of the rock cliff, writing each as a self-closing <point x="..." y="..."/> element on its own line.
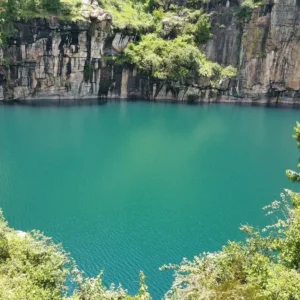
<point x="50" y="59"/>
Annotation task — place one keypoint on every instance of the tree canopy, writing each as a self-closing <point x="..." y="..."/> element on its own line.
<point x="33" y="267"/>
<point x="177" y="60"/>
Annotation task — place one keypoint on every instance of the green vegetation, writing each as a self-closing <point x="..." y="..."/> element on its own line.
<point x="6" y="19"/>
<point x="132" y="15"/>
<point x="147" y="16"/>
<point x="265" y="266"/>
<point x="202" y="29"/>
<point x="34" y="268"/>
<point x="244" y="14"/>
<point x="165" y="59"/>
<point x="292" y="175"/>
<point x="16" y="10"/>
<point x="183" y="21"/>
<point x="197" y="3"/>
<point x="177" y="60"/>
<point x="87" y="71"/>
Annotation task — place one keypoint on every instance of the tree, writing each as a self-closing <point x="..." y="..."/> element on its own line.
<point x="170" y="60"/>
<point x="292" y="175"/>
<point x="33" y="267"/>
<point x="175" y="61"/>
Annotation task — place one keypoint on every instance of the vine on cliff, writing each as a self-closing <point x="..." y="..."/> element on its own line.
<point x="247" y="7"/>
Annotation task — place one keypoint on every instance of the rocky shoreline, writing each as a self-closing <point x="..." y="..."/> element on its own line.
<point x="85" y="101"/>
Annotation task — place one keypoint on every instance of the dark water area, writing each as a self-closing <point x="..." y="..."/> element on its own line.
<point x="131" y="186"/>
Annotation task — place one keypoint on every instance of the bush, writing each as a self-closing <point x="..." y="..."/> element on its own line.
<point x="51" y="5"/>
<point x="244" y="14"/>
<point x="177" y="60"/>
<point x="202" y="31"/>
<point x="130" y="15"/>
<point x="34" y="268"/>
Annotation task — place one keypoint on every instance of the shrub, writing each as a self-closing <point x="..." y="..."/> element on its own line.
<point x="128" y="14"/>
<point x="202" y="32"/>
<point x="177" y="60"/>
<point x="244" y="14"/>
<point x="51" y="5"/>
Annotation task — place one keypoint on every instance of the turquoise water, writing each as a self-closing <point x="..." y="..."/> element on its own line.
<point x="130" y="186"/>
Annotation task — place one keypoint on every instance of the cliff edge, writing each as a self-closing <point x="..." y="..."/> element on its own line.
<point x="47" y="58"/>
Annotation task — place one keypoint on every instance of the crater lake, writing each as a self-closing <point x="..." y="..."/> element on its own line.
<point x="132" y="186"/>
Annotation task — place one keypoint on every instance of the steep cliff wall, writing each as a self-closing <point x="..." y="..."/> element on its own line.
<point x="51" y="59"/>
<point x="271" y="52"/>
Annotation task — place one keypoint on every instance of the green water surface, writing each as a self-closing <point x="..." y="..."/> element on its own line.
<point x="130" y="186"/>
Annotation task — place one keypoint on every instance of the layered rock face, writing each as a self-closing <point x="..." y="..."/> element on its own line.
<point x="53" y="60"/>
<point x="271" y="51"/>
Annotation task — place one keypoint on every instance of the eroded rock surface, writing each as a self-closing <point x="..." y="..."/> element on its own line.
<point x="51" y="59"/>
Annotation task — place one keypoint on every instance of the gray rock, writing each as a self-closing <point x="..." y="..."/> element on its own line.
<point x="55" y="60"/>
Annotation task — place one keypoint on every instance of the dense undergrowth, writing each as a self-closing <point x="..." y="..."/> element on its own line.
<point x="264" y="266"/>
<point x="33" y="267"/>
<point x="178" y="60"/>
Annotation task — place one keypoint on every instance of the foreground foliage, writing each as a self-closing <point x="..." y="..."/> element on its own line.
<point x="177" y="60"/>
<point x="129" y="15"/>
<point x="33" y="267"/>
<point x="28" y="9"/>
<point x="167" y="39"/>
